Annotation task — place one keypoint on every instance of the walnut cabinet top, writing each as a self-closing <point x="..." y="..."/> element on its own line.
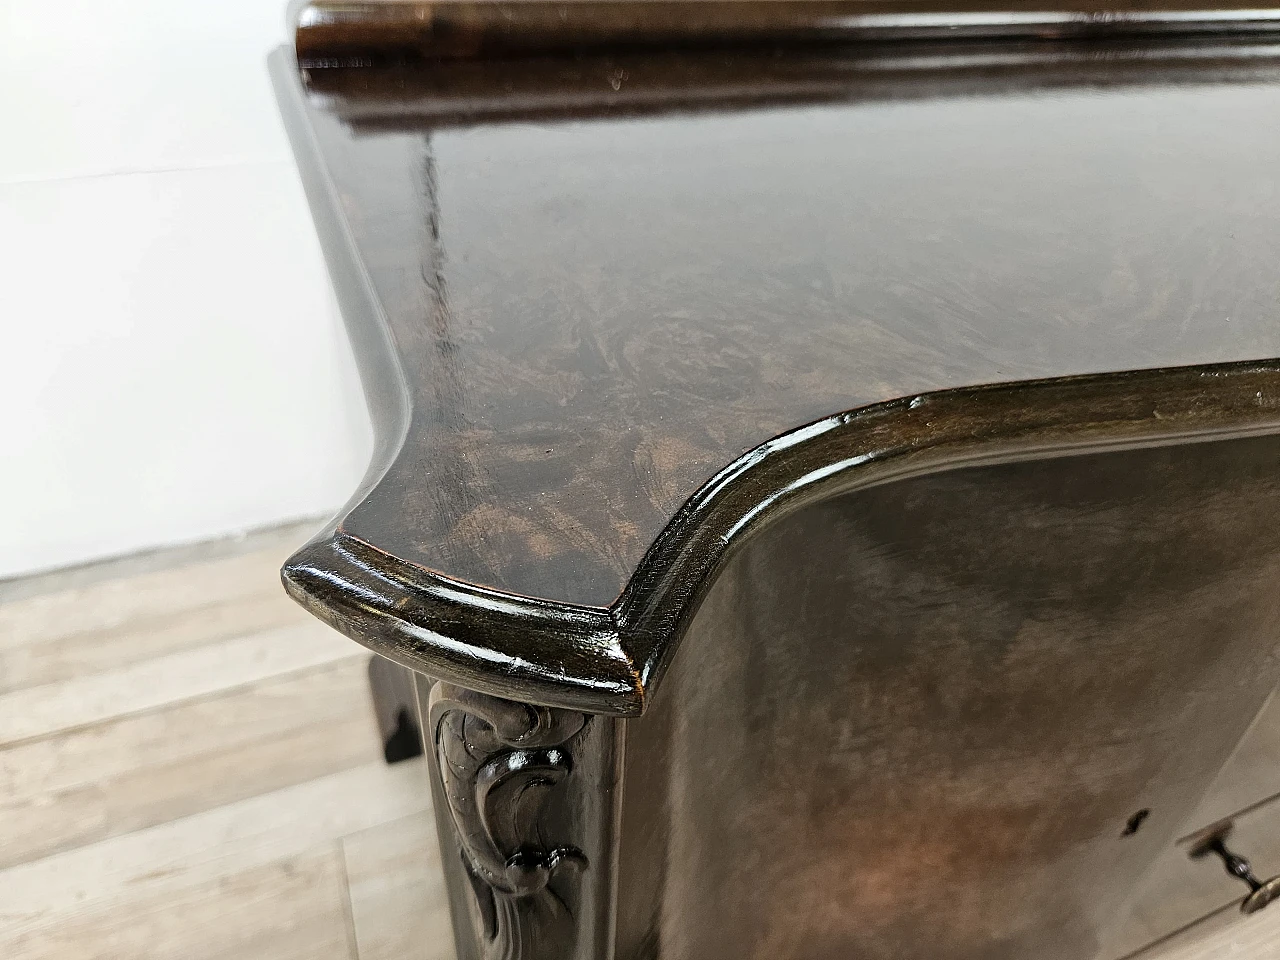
<point x="616" y="308"/>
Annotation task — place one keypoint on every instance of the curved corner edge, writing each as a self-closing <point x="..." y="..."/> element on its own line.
<point x="919" y="435"/>
<point x="610" y="661"/>
<point x="368" y="330"/>
<point x="507" y="646"/>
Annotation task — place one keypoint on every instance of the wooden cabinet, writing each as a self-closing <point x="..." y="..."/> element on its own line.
<point x="826" y="478"/>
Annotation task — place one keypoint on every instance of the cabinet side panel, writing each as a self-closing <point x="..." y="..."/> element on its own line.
<point x="916" y="720"/>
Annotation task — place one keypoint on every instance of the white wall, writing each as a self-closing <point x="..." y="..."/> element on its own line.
<point x="172" y="366"/>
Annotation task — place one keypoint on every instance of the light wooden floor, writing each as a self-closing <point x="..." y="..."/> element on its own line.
<point x="189" y="769"/>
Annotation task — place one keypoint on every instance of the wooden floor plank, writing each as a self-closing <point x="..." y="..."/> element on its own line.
<point x="205" y="847"/>
<point x="1225" y="936"/>
<point x="131" y="601"/>
<point x="398" y="904"/>
<point x="149" y="684"/>
<point x="143" y="770"/>
<point x="44" y="661"/>
<point x="289" y="909"/>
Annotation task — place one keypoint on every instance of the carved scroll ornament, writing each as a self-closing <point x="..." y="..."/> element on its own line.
<point x="498" y="760"/>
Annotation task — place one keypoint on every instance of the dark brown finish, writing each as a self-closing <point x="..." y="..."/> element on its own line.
<point x="395" y="706"/>
<point x="497" y="759"/>
<point x="459" y="94"/>
<point x="576" y="337"/>
<point x="916" y="719"/>
<point x="920" y="429"/>
<point x="525" y="800"/>
<point x="330" y="32"/>
<point x="608" y="660"/>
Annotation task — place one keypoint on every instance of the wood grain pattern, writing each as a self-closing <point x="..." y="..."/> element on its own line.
<point x="1247" y="938"/>
<point x="41" y="662"/>
<point x="148" y="684"/>
<point x="594" y="320"/>
<point x="614" y="355"/>
<point x="289" y="909"/>
<point x="399" y="907"/>
<point x="573" y="333"/>
<point x="85" y="620"/>
<point x="916" y="718"/>
<point x="131" y="595"/>
<point x="130" y="773"/>
<point x="201" y="848"/>
<point x="207" y="828"/>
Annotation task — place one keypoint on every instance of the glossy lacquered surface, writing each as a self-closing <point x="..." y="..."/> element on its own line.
<point x="828" y="494"/>
<point x="572" y="319"/>
<point x="956" y="716"/>
<point x="365" y="32"/>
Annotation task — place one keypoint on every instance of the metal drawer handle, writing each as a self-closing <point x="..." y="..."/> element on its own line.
<point x="1261" y="892"/>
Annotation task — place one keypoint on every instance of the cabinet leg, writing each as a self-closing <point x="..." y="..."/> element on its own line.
<point x="522" y="797"/>
<point x="396" y="708"/>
